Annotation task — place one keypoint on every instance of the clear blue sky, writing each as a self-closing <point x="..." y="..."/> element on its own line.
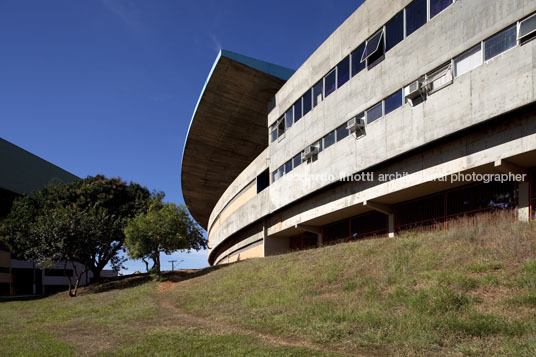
<point x="109" y="86"/>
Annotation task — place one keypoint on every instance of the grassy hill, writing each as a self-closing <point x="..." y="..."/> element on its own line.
<point x="470" y="290"/>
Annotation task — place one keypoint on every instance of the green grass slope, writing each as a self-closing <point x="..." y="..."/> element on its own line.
<point x="470" y="290"/>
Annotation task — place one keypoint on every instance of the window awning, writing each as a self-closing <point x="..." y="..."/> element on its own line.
<point x="372" y="45"/>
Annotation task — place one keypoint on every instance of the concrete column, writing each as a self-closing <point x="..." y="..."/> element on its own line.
<point x="264" y="235"/>
<point x="391" y="225"/>
<point x="523" y="205"/>
<point x="319" y="239"/>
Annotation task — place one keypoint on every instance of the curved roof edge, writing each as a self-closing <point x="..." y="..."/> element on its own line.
<point x="260" y="72"/>
<point x="275" y="70"/>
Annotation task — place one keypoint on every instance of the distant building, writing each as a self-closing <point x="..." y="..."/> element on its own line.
<point x="22" y="173"/>
<point x="398" y="120"/>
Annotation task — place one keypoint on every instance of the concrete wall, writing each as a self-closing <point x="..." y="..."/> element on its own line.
<point x="255" y="251"/>
<point x="495" y="88"/>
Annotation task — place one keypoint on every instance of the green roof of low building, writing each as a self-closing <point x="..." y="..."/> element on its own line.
<point x="23" y="172"/>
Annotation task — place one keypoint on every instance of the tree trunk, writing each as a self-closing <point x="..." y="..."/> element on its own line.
<point x="156" y="259"/>
<point x="146" y="264"/>
<point x="96" y="273"/>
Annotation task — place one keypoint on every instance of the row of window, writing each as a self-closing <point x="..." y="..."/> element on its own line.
<point x="329" y="139"/>
<point x="367" y="54"/>
<point x="486" y="50"/>
<point x="384" y="107"/>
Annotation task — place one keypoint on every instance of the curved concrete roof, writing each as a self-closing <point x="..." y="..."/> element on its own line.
<point x="228" y="129"/>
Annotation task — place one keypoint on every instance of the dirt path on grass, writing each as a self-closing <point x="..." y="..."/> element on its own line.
<point x="163" y="300"/>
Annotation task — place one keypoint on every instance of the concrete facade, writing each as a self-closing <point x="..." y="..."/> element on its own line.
<point x="483" y="122"/>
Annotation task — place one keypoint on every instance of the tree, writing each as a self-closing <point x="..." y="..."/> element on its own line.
<point x="165" y="228"/>
<point x="81" y="221"/>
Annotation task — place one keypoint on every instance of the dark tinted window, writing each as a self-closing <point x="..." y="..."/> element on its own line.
<point x="392" y="102"/>
<point x="357" y="65"/>
<point x="394" y="31"/>
<point x="500" y="42"/>
<point x="58" y="272"/>
<point x="343" y="71"/>
<point x="436" y="6"/>
<point x="330" y="82"/>
<point x="297" y="160"/>
<point x="281" y="127"/>
<point x="329" y="139"/>
<point x="288" y="166"/>
<point x="297" y="110"/>
<point x="374" y="113"/>
<point x="342" y="132"/>
<point x="307" y="98"/>
<point x="263" y="180"/>
<point x="274" y="134"/>
<point x="527" y="27"/>
<point x="289" y="120"/>
<point x="415" y="16"/>
<point x="317" y="93"/>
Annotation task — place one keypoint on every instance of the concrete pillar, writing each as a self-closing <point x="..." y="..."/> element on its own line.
<point x="319" y="240"/>
<point x="391" y="225"/>
<point x="523" y="204"/>
<point x="264" y="235"/>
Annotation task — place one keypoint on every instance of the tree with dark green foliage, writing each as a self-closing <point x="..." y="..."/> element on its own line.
<point x="164" y="228"/>
<point x="81" y="221"/>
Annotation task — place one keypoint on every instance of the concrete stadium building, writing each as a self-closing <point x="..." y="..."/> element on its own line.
<point x="410" y="114"/>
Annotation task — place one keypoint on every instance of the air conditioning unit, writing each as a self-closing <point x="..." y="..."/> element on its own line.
<point x="355" y="124"/>
<point x="309" y="152"/>
<point x="413" y="90"/>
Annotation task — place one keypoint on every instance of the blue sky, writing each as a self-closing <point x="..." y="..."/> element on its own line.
<point x="109" y="86"/>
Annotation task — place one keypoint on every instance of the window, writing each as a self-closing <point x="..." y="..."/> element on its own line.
<point x="288" y="166"/>
<point x="263" y="180"/>
<point x="394" y="31"/>
<point x="289" y="118"/>
<point x="357" y="65"/>
<point x="329" y="139"/>
<point x="4" y="269"/>
<point x="393" y="102"/>
<point x="343" y="71"/>
<point x="307" y="97"/>
<point x="374" y="113"/>
<point x="342" y="132"/>
<point x="58" y="272"/>
<point x="439" y="78"/>
<point x="436" y="6"/>
<point x="280" y="127"/>
<point x="468" y="60"/>
<point x="500" y="43"/>
<point x="275" y="175"/>
<point x="415" y="16"/>
<point x="296" y="160"/>
<point x="527" y="29"/>
<point x="298" y="110"/>
<point x="374" y="45"/>
<point x="318" y="95"/>
<point x="273" y="132"/>
<point x="330" y="82"/>
<point x="281" y="171"/>
<point x="318" y="145"/>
